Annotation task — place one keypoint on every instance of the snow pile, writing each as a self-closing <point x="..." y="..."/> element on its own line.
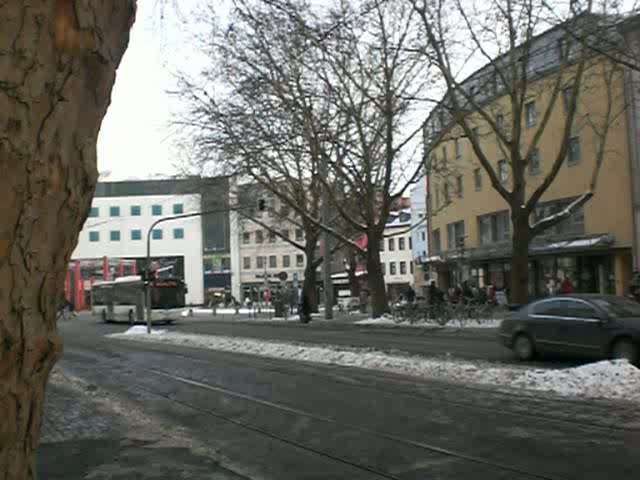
<point x="141" y="330"/>
<point x="389" y="321"/>
<point x="608" y="379"/>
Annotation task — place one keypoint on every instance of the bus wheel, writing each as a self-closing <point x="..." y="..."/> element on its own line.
<point x="104" y="316"/>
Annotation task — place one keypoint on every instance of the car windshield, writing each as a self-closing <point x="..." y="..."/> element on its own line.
<point x="619" y="306"/>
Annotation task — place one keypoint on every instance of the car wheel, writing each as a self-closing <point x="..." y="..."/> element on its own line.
<point x="523" y="347"/>
<point x="625" y="349"/>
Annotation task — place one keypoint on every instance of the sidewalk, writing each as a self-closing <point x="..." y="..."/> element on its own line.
<point x="84" y="437"/>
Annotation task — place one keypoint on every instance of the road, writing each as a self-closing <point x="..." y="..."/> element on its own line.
<point x="278" y="419"/>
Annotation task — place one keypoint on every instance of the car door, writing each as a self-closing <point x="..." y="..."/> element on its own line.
<point x="579" y="328"/>
<point x="543" y="323"/>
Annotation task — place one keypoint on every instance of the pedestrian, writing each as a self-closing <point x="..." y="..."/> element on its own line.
<point x="566" y="287"/>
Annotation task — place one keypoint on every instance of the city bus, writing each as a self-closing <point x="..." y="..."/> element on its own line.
<point x="123" y="299"/>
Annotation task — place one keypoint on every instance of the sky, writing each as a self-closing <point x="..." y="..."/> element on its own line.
<point x="134" y="140"/>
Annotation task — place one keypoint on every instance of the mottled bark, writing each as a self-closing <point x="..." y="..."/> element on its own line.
<point x="57" y="67"/>
<point x="375" y="277"/>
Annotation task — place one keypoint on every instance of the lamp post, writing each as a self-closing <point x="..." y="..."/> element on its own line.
<point x="147" y="278"/>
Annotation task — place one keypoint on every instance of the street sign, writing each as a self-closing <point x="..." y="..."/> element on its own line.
<point x="282" y="276"/>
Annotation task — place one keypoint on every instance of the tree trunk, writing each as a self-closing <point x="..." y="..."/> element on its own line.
<point x="375" y="278"/>
<point x="58" y="61"/>
<point x="354" y="283"/>
<point x="309" y="284"/>
<point x="519" y="288"/>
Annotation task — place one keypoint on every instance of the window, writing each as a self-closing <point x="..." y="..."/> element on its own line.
<point x="286" y="261"/>
<point x="284" y="210"/>
<point x="178" y="209"/>
<point x="259" y="236"/>
<point x="500" y="122"/>
<point x="299" y="234"/>
<point x="530" y="114"/>
<point x="272" y="207"/>
<point x="94" y="212"/>
<point x="114" y="235"/>
<point x="566" y="49"/>
<point x="477" y="179"/>
<point x="382" y="245"/>
<point x="299" y="260"/>
<point x="581" y="310"/>
<point x="573" y="152"/>
<point x="225" y="263"/>
<point x="494" y="227"/>
<point x="273" y="263"/>
<point x="403" y="268"/>
<point x="136" y="234"/>
<point x="94" y="236"/>
<point x="433" y="163"/>
<point x="156" y="210"/>
<point x="572" y="225"/>
<point x="444" y="157"/>
<point x="534" y="162"/>
<point x="411" y="268"/>
<point x="114" y="211"/>
<point x="383" y="268"/>
<point x="246" y="263"/>
<point x="550" y="308"/>
<point x="502" y="171"/>
<point x="272" y="237"/>
<point x="457" y="148"/>
<point x="246" y="238"/>
<point x="445" y="193"/>
<point x="392" y="268"/>
<point x="423" y="236"/>
<point x="455" y="235"/>
<point x="401" y="243"/>
<point x="435" y="240"/>
<point x="392" y="244"/>
<point x="260" y="263"/>
<point x="437" y="197"/>
<point x="157" y="234"/>
<point x="459" y="186"/>
<point x="178" y="233"/>
<point x="285" y="233"/>
<point x="410" y="243"/>
<point x="136" y="210"/>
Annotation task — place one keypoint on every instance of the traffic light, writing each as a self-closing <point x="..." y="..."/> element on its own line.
<point x="261" y="205"/>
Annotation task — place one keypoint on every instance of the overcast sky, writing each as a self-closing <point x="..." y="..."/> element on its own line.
<point x="133" y="141"/>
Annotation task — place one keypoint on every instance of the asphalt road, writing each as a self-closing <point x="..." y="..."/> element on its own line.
<point x="275" y="419"/>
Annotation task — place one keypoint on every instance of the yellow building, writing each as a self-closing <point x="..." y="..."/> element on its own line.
<point x="470" y="227"/>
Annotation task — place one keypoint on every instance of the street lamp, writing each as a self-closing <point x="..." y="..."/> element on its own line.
<point x="147" y="279"/>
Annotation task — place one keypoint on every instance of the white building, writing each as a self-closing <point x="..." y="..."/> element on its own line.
<point x="117" y="228"/>
<point x="395" y="252"/>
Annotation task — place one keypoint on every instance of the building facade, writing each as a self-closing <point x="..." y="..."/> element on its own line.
<point x="419" y="234"/>
<point x="470" y="227"/>
<point x="396" y="254"/>
<point x="117" y="228"/>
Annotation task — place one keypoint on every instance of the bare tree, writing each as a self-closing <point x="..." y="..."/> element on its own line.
<point x="59" y="60"/>
<point x="245" y="117"/>
<point x="494" y="109"/>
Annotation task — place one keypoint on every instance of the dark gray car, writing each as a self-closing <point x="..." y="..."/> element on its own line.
<point x="593" y="326"/>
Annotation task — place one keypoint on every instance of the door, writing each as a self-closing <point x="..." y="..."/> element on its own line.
<point x="580" y="328"/>
<point x="543" y="323"/>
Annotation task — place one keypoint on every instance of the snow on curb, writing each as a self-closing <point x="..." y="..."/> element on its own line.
<point x="607" y="379"/>
<point x="141" y="330"/>
<point x="389" y="321"/>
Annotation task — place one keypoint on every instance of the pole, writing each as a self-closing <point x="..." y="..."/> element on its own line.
<point x="326" y="254"/>
<point x="147" y="284"/>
